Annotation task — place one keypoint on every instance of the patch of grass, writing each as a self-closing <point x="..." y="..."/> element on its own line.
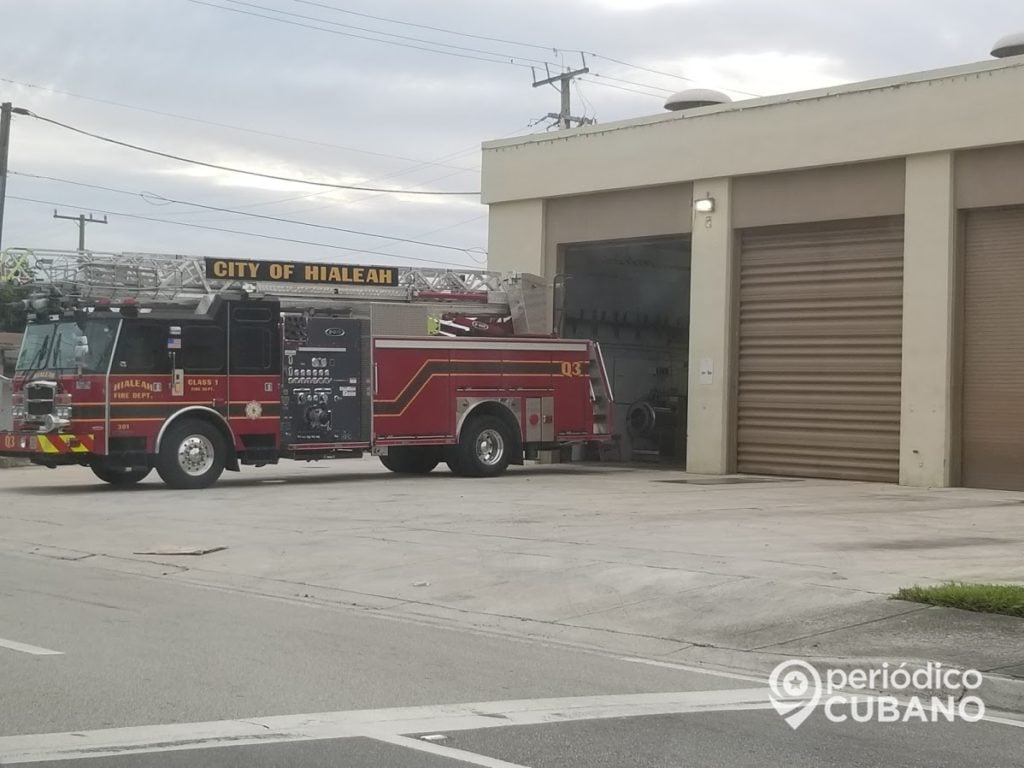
<point x="1006" y="599"/>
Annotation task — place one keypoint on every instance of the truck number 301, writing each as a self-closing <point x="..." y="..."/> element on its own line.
<point x="573" y="369"/>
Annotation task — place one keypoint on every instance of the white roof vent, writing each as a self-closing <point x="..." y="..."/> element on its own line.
<point x="695" y="97"/>
<point x="1011" y="45"/>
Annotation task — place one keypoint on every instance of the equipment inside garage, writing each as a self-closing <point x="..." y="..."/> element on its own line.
<point x="633" y="296"/>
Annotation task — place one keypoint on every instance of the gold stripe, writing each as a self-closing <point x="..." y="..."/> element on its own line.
<point x="412" y="378"/>
<point x="459" y="360"/>
<point x="46" y="445"/>
<point x="431" y="376"/>
<point x="160" y="402"/>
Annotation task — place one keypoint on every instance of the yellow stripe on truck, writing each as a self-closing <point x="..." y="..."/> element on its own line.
<point x="45" y="445"/>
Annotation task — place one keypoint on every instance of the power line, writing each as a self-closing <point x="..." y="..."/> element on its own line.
<point x="554" y="49"/>
<point x="449" y="156"/>
<point x="372" y="31"/>
<point x="203" y="163"/>
<point x="641" y="68"/>
<point x="498" y="57"/>
<point x="509" y="60"/>
<point x="229" y="126"/>
<point x="457" y="224"/>
<point x="622" y="88"/>
<point x="587" y="106"/>
<point x="239" y="232"/>
<point x="632" y="82"/>
<point x="149" y="197"/>
<point x="661" y="72"/>
<point x="433" y="29"/>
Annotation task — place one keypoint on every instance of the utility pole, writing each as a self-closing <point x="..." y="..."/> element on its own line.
<point x="82" y="221"/>
<point x="564" y="116"/>
<point x="5" y="143"/>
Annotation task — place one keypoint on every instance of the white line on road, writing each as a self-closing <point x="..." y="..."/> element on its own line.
<point x="371" y="723"/>
<point x="450" y="752"/>
<point x="35" y="650"/>
<point x="698" y="670"/>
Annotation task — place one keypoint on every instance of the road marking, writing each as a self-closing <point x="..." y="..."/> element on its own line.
<point x="450" y="752"/>
<point x="1004" y="721"/>
<point x="35" y="650"/>
<point x="699" y="670"/>
<point x="370" y="723"/>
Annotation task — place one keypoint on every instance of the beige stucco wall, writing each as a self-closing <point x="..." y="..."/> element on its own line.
<point x="710" y="431"/>
<point x="515" y="237"/>
<point x="649" y="212"/>
<point x="991" y="176"/>
<point x="857" y="191"/>
<point x="972" y="106"/>
<point x="929" y="302"/>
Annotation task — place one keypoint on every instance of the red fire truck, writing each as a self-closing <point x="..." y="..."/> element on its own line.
<point x="190" y="366"/>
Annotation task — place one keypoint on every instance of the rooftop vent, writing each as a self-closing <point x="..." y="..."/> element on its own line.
<point x="695" y="97"/>
<point x="1011" y="45"/>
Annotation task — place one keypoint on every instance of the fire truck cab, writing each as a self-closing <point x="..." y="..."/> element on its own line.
<point x="243" y="376"/>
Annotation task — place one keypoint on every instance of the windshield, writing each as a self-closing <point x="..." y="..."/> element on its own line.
<point x="52" y="345"/>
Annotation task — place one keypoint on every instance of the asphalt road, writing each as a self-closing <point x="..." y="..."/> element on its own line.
<point x="126" y="663"/>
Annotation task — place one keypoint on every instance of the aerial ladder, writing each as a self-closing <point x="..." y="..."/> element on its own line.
<point x="463" y="296"/>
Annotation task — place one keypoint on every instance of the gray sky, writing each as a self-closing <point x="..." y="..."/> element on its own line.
<point x="370" y="113"/>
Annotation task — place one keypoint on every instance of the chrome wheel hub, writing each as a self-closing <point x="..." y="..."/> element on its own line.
<point x="195" y="455"/>
<point x="490" y="447"/>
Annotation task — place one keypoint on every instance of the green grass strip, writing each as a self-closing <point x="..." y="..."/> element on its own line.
<point x="1005" y="599"/>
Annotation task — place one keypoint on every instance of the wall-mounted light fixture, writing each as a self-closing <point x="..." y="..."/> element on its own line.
<point x="704" y="205"/>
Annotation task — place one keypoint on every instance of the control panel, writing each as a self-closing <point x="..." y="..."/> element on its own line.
<point x="322" y="389"/>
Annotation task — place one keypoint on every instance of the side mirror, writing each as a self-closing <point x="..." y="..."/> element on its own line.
<point x="81" y="349"/>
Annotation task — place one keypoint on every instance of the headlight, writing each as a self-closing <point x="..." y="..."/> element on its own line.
<point x="53" y="422"/>
<point x="63" y="411"/>
<point x="19" y="412"/>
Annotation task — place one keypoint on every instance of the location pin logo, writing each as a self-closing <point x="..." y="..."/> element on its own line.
<point x="794" y="690"/>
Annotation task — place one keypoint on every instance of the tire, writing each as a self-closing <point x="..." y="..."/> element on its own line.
<point x="485" y="448"/>
<point x="119" y="477"/>
<point x="411" y="461"/>
<point x="451" y="458"/>
<point x="192" y="454"/>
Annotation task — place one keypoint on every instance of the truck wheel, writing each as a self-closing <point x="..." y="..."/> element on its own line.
<point x="192" y="454"/>
<point x="451" y="458"/>
<point x="119" y="477"/>
<point x="407" y="460"/>
<point x="484" y="449"/>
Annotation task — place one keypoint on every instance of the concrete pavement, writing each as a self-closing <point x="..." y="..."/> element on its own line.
<point x="559" y="616"/>
<point x="645" y="562"/>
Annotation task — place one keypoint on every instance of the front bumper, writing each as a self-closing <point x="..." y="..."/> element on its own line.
<point x="48" y="445"/>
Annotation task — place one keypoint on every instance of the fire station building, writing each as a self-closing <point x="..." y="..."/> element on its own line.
<point x="819" y="284"/>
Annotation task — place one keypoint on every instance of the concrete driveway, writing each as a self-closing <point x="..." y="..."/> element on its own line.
<point x="652" y="563"/>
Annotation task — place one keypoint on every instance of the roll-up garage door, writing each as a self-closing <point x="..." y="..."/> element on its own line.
<point x="993" y="372"/>
<point x="820" y="330"/>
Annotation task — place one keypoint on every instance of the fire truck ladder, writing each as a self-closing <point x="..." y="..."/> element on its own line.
<point x="170" y="278"/>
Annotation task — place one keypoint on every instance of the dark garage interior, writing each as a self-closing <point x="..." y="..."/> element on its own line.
<point x="633" y="296"/>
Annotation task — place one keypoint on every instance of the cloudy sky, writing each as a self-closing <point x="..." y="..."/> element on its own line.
<point x="342" y="91"/>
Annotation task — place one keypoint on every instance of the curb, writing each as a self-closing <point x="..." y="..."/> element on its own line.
<point x="11" y="463"/>
<point x="1003" y="693"/>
